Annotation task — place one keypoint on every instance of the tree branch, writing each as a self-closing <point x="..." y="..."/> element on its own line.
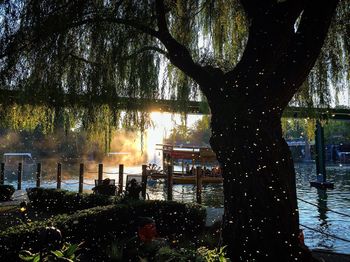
<point x="305" y="48"/>
<point x="82" y="59"/>
<point x="121" y="21"/>
<point x="179" y="55"/>
<point x="147" y="48"/>
<point x="270" y="29"/>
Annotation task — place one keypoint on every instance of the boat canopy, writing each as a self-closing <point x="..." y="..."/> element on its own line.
<point x="15" y="158"/>
<point x="201" y="154"/>
<point x="18" y="154"/>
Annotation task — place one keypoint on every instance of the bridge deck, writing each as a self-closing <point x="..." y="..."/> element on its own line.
<point x="8" y="97"/>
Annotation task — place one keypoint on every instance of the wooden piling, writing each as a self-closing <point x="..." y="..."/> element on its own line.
<point x="170" y="183"/>
<point x="100" y="173"/>
<point x="59" y="175"/>
<point x="38" y="174"/>
<point x="19" y="176"/>
<point x="320" y="153"/>
<point x="321" y="177"/>
<point x="121" y="178"/>
<point x="199" y="185"/>
<point x="81" y="178"/>
<point x="144" y="181"/>
<point x="2" y="174"/>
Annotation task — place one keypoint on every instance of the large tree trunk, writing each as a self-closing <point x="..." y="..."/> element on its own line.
<point x="261" y="214"/>
<point x="261" y="219"/>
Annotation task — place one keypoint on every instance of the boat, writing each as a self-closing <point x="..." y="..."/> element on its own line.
<point x="180" y="158"/>
<point x="186" y="179"/>
<point x="11" y="165"/>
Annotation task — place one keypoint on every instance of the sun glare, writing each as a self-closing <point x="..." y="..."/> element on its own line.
<point x="156" y="134"/>
<point x="161" y="128"/>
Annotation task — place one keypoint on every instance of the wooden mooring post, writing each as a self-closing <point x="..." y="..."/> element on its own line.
<point x="19" y="176"/>
<point x="199" y="184"/>
<point x="170" y="183"/>
<point x="100" y="173"/>
<point x="59" y="175"/>
<point x="144" y="181"/>
<point x="81" y="178"/>
<point x="121" y="179"/>
<point x="321" y="177"/>
<point x="38" y="174"/>
<point x="2" y="174"/>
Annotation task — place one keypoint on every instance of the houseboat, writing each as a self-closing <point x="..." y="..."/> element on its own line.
<point x="186" y="159"/>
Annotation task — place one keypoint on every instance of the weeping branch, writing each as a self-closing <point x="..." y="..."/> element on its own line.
<point x="179" y="54"/>
<point x="127" y="57"/>
<point x="82" y="59"/>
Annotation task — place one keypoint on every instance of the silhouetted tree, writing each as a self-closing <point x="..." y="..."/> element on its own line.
<point x="248" y="58"/>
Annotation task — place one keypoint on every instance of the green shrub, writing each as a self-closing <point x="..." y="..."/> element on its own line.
<point x="98" y="224"/>
<point x="6" y="192"/>
<point x="63" y="201"/>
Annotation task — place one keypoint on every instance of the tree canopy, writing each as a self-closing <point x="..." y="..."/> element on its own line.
<point x="247" y="57"/>
<point x="114" y="49"/>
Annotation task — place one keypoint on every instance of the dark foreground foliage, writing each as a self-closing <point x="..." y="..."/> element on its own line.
<point x="6" y="192"/>
<point x="96" y="225"/>
<point x="63" y="201"/>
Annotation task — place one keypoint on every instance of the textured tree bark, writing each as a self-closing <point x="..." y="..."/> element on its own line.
<point x="261" y="215"/>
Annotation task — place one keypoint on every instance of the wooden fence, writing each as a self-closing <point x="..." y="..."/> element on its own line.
<point x="168" y="176"/>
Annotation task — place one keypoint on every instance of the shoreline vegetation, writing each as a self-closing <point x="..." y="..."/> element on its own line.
<point x="105" y="228"/>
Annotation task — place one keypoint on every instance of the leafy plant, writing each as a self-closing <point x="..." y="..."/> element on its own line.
<point x="66" y="253"/>
<point x="213" y="255"/>
<point x="203" y="254"/>
<point x="167" y="254"/>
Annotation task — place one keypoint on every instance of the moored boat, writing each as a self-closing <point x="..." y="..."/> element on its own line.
<point x="180" y="179"/>
<point x="180" y="158"/>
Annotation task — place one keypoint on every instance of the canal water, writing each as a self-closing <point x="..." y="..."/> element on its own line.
<point x="324" y="215"/>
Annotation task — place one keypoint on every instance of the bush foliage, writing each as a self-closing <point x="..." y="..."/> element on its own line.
<point x="97" y="224"/>
<point x="6" y="192"/>
<point x="63" y="201"/>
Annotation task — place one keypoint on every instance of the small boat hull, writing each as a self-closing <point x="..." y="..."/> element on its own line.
<point x="192" y="180"/>
<point x="188" y="179"/>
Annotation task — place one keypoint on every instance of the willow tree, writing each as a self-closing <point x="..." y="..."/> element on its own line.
<point x="248" y="58"/>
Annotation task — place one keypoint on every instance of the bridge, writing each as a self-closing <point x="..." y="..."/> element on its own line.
<point x="9" y="97"/>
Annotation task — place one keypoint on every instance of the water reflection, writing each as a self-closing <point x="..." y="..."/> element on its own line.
<point x="319" y="215"/>
<point x="322" y="207"/>
<point x="325" y="240"/>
